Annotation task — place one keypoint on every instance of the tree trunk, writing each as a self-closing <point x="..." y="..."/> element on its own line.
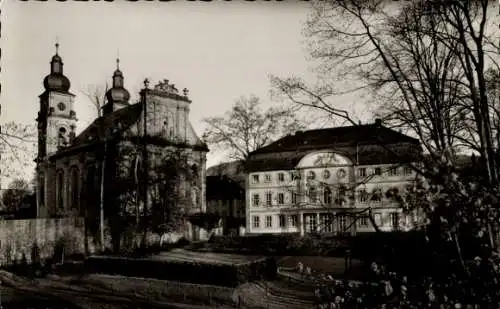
<point x="101" y="223"/>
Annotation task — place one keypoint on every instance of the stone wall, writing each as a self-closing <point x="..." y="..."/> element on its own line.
<point x="20" y="238"/>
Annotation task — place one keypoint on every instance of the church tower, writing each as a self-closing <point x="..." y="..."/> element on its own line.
<point x="117" y="97"/>
<point x="57" y="117"/>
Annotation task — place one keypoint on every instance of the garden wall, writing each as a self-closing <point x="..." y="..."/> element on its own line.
<point x="21" y="239"/>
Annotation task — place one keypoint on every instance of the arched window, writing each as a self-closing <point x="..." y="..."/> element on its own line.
<point x="60" y="189"/>
<point x="90" y="194"/>
<point x="195" y="197"/>
<point x="75" y="187"/>
<point x="327" y="196"/>
<point x="42" y="189"/>
<point x="194" y="170"/>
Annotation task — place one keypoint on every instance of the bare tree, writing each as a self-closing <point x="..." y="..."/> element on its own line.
<point x="17" y="147"/>
<point x="431" y="67"/>
<point x="97" y="96"/>
<point x="246" y="127"/>
<point x="426" y="63"/>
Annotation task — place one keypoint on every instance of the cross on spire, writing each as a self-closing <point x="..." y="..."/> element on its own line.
<point x="57" y="45"/>
<point x="117" y="59"/>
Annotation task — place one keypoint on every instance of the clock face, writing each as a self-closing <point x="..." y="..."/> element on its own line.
<point x="61" y="106"/>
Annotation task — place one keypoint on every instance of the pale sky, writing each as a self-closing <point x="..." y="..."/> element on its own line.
<point x="218" y="50"/>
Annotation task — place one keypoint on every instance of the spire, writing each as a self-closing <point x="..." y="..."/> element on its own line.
<point x="117" y="93"/>
<point x="118" y="76"/>
<point x="56" y="65"/>
<point x="56" y="81"/>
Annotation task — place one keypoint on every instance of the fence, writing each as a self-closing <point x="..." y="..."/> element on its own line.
<point x="29" y="238"/>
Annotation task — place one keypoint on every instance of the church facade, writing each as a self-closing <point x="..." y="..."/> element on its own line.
<point x="133" y="155"/>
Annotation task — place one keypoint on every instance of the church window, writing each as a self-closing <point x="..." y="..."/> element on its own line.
<point x="75" y="177"/>
<point x="194" y="196"/>
<point x="42" y="189"/>
<point x="60" y="189"/>
<point x="194" y="170"/>
<point x="90" y="184"/>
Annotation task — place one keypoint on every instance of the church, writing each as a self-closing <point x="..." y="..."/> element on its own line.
<point x="137" y="160"/>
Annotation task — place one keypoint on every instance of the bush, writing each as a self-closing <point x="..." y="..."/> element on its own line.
<point x="281" y="245"/>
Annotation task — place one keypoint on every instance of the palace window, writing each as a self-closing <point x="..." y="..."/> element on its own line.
<point x="256" y="200"/>
<point x="342" y="223"/>
<point x="362" y="195"/>
<point x="75" y="187"/>
<point x="326" y="174"/>
<point x="362" y="172"/>
<point x="269" y="199"/>
<point x="282" y="220"/>
<point x="256" y="221"/>
<point x="255" y="178"/>
<point x="363" y="221"/>
<point x="311" y="223"/>
<point x="293" y="220"/>
<point x="378" y="171"/>
<point x="294" y="198"/>
<point x="377" y="195"/>
<point x="269" y="221"/>
<point x="281" y="198"/>
<point x="326" y="222"/>
<point x="327" y="196"/>
<point x="395" y="219"/>
<point x="281" y="177"/>
<point x="394" y="171"/>
<point x="311" y="175"/>
<point x="408" y="170"/>
<point x="313" y="196"/>
<point x="267" y="178"/>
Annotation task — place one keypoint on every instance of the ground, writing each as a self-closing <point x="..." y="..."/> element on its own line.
<point x="66" y="290"/>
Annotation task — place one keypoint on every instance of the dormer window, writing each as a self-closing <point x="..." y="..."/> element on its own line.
<point x="311" y="175"/>
<point x="267" y="178"/>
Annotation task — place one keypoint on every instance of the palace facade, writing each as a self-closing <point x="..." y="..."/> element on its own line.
<point x="334" y="180"/>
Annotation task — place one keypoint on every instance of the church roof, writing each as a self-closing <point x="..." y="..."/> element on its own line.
<point x="110" y="126"/>
<point x="120" y="120"/>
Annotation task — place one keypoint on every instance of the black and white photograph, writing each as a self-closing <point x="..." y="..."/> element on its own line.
<point x="293" y="154"/>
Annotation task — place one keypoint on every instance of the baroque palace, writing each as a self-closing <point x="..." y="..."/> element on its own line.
<point x="76" y="172"/>
<point x="333" y="180"/>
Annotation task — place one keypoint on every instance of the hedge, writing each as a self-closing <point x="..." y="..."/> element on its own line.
<point x="184" y="271"/>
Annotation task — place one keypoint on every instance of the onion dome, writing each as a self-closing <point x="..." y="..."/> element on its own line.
<point x="118" y="94"/>
<point x="56" y="81"/>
